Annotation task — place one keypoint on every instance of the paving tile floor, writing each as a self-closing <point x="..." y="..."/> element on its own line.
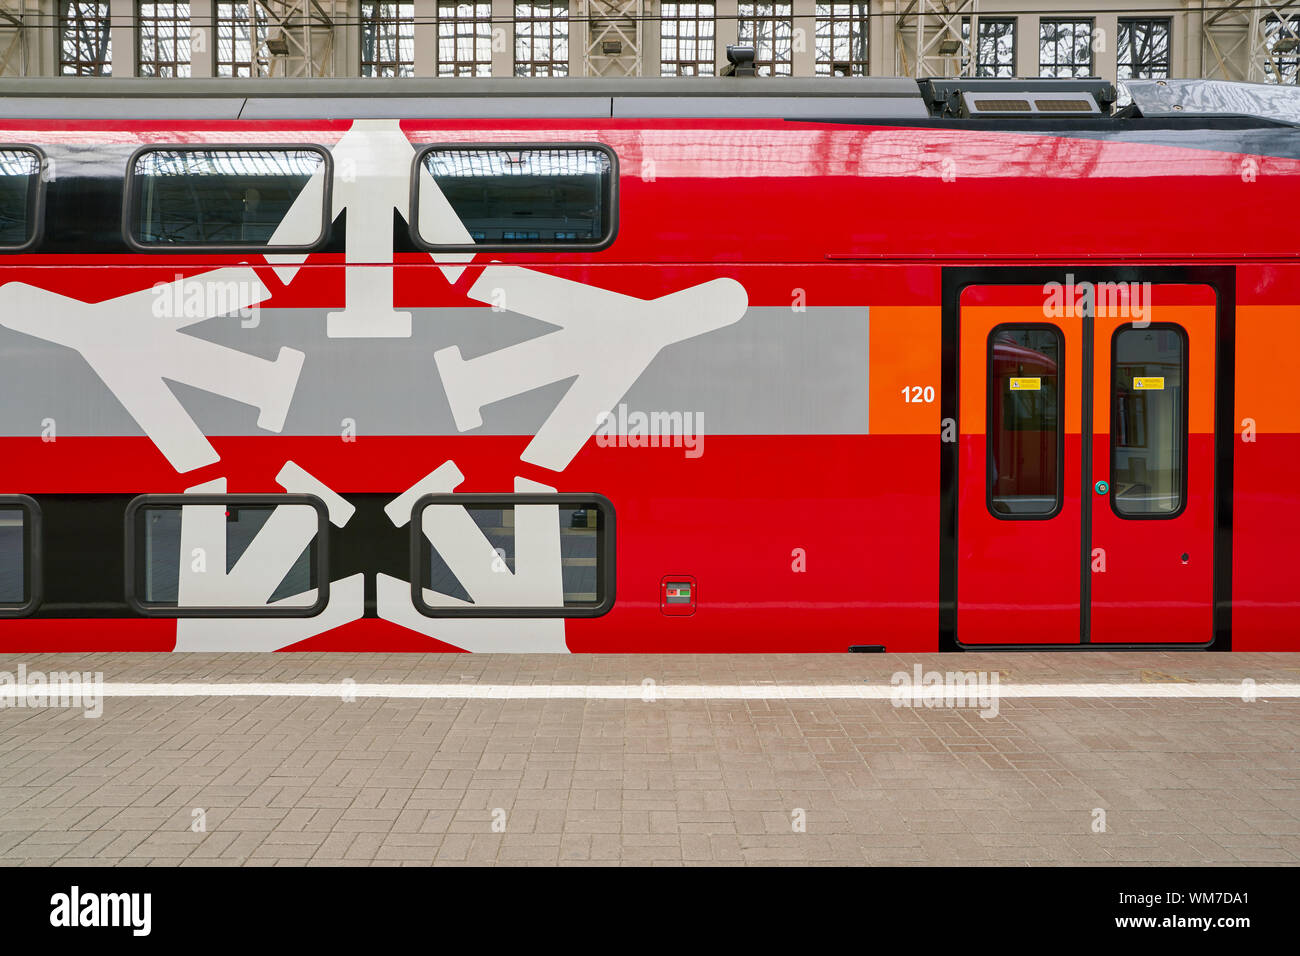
<point x="291" y="781"/>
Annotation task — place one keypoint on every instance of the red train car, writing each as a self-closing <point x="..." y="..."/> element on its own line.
<point x="707" y="365"/>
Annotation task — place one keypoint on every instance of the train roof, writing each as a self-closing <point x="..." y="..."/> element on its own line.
<point x="839" y="98"/>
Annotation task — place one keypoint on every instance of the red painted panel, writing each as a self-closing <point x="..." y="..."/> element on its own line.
<point x="1147" y="593"/>
<point x="799" y="543"/>
<point x="1017" y="579"/>
<point x="1266" y="544"/>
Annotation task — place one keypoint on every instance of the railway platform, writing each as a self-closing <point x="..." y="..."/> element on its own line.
<point x="403" y="759"/>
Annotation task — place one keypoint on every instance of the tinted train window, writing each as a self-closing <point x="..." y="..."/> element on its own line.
<point x="1025" y="445"/>
<point x="483" y="557"/>
<point x="257" y="557"/>
<point x="20" y="174"/>
<point x="13" y="556"/>
<point x="524" y="197"/>
<point x="1148" y="426"/>
<point x="235" y="198"/>
<point x="19" y="568"/>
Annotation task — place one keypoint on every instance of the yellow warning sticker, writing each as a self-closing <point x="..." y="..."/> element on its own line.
<point x="1156" y="384"/>
<point x="1026" y="384"/>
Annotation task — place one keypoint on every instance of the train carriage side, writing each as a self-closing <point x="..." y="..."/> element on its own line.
<point x="633" y="383"/>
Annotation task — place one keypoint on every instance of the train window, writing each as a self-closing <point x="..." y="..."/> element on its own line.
<point x="227" y="555"/>
<point x="511" y="197"/>
<point x="19" y="555"/>
<point x="1148" y="424"/>
<point x="539" y="555"/>
<point x="228" y="198"/>
<point x="20" y="176"/>
<point x="1025" y="441"/>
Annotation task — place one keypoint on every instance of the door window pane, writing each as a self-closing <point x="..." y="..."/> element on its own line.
<point x="1148" y="427"/>
<point x="1024" y="432"/>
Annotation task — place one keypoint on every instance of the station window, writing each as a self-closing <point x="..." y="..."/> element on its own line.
<point x="162" y="38"/>
<point x="20" y="177"/>
<point x="527" y="196"/>
<point x="841" y="33"/>
<point x="497" y="556"/>
<point x="85" y="39"/>
<point x="243" y="28"/>
<point x="994" y="47"/>
<point x="1148" y="426"/>
<point x="542" y="38"/>
<point x="769" y="29"/>
<point x="464" y="38"/>
<point x="227" y="555"/>
<point x="19" y="557"/>
<point x="1065" y="48"/>
<point x="387" y="38"/>
<point x="1142" y="52"/>
<point x="1025" y="440"/>
<point x="1283" y="62"/>
<point x="686" y="39"/>
<point x="228" y="197"/>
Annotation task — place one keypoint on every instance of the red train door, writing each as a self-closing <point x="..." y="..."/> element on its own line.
<point x="1086" y="464"/>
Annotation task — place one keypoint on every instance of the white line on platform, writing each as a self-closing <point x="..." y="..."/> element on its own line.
<point x="1238" y="690"/>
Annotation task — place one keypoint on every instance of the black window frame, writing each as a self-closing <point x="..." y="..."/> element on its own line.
<point x="35" y="198"/>
<point x="676" y="65"/>
<point x="974" y="47"/>
<point x="1092" y="54"/>
<point x="1185" y="370"/>
<point x="861" y="21"/>
<point x="448" y="27"/>
<point x="991" y="403"/>
<point x="755" y="20"/>
<point x="131" y="186"/>
<point x="531" y="66"/>
<point x="606" y="551"/>
<point x="77" y="66"/>
<point x="157" y="21"/>
<point x="134" y="553"/>
<point x="574" y="245"/>
<point x="259" y="29"/>
<point x="378" y="22"/>
<point x="33" y="556"/>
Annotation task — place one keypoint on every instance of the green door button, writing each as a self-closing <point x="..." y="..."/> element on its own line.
<point x="1101" y="487"/>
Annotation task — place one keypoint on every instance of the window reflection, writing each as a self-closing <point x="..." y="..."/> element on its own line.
<point x="220" y="197"/>
<point x="19" y="169"/>
<point x="537" y="196"/>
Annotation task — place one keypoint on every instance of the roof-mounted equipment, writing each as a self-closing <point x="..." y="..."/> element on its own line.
<point x="970" y="98"/>
<point x="740" y="61"/>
